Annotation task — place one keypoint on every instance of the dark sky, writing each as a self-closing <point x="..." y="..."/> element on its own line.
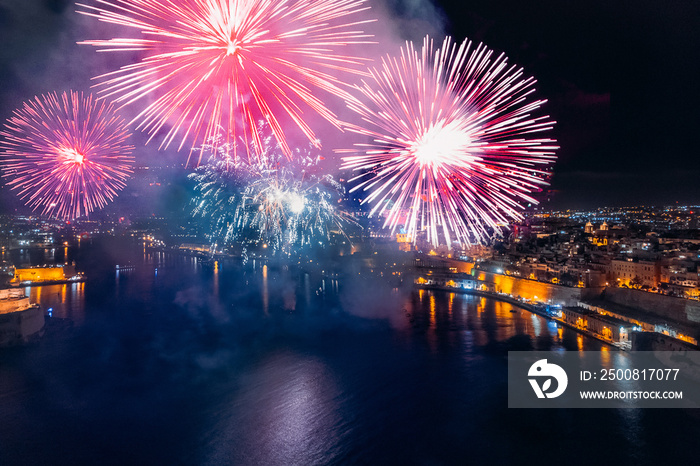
<point x="621" y="79"/>
<point x="618" y="76"/>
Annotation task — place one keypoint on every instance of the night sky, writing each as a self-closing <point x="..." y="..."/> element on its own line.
<point x="620" y="80"/>
<point x="618" y="76"/>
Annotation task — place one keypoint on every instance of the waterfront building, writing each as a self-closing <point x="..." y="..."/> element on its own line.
<point x="20" y="320"/>
<point x="56" y="273"/>
<point x="576" y="316"/>
<point x="195" y="247"/>
<point x="604" y="326"/>
<point x="610" y="328"/>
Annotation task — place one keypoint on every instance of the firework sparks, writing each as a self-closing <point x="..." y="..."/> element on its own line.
<point x="67" y="155"/>
<point x="281" y="202"/>
<point x="232" y="62"/>
<point x="273" y="203"/>
<point x="453" y="153"/>
<point x="294" y="208"/>
<point x="217" y="194"/>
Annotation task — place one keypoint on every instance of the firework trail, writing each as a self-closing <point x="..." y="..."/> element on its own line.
<point x="66" y="155"/>
<point x="231" y="62"/>
<point x="280" y="202"/>
<point x="291" y="208"/>
<point x="272" y="204"/>
<point x="454" y="150"/>
<point x="225" y="183"/>
<point x="322" y="216"/>
<point x="217" y="194"/>
<point x="234" y="156"/>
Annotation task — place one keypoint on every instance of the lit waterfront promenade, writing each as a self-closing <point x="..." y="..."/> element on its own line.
<point x="673" y="317"/>
<point x="524" y="305"/>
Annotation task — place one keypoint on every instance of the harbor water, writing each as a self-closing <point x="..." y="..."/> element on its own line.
<point x="172" y="359"/>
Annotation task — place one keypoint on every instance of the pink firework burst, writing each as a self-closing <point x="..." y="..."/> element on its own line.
<point x="212" y="64"/>
<point x="66" y="155"/>
<point x="454" y="151"/>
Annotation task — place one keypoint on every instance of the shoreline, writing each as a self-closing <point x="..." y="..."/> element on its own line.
<point x="527" y="307"/>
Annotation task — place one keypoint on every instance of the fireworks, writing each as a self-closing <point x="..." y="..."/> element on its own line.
<point x="454" y="151"/>
<point x="67" y="155"/>
<point x="231" y="62"/>
<point x="217" y="194"/>
<point x="272" y="204"/>
<point x="279" y="202"/>
<point x="291" y="207"/>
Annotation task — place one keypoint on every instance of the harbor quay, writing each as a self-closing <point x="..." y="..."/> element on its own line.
<point x="584" y="309"/>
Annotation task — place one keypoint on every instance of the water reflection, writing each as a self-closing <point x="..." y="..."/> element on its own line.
<point x="66" y="301"/>
<point x="487" y="322"/>
<point x="215" y="288"/>
<point x="189" y="366"/>
<point x="285" y="412"/>
<point x="307" y="289"/>
<point x="265" y="291"/>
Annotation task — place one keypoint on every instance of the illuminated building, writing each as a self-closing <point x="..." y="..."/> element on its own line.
<point x="405" y="241"/>
<point x="636" y="273"/>
<point x="45" y="274"/>
<point x="20" y="321"/>
<point x="605" y="326"/>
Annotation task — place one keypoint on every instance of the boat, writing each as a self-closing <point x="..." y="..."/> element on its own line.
<point x="20" y="320"/>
